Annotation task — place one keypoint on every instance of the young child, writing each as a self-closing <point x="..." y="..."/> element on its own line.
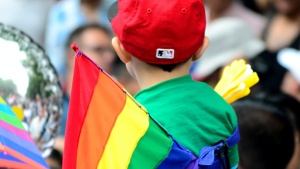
<point x="158" y="40"/>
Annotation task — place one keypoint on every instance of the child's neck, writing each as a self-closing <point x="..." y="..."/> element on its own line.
<point x="147" y="78"/>
<point x="148" y="75"/>
<point x="150" y="80"/>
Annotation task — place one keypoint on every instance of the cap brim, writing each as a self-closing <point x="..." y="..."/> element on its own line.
<point x="112" y="11"/>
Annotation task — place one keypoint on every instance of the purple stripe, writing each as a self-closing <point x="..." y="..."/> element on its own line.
<point x="21" y="133"/>
<point x="20" y="141"/>
<point x="194" y="164"/>
<point x="179" y="158"/>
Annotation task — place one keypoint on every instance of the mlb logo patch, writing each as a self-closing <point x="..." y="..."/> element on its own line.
<point x="165" y="53"/>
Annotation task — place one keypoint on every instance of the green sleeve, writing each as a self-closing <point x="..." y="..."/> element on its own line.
<point x="233" y="156"/>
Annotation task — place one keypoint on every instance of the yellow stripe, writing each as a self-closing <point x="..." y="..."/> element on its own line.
<point x="2" y="101"/>
<point x="131" y="125"/>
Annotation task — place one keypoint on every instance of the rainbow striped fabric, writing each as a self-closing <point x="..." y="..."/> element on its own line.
<point x="17" y="149"/>
<point x="108" y="129"/>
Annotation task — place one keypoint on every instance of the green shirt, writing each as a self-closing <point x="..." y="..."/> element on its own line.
<point x="192" y="112"/>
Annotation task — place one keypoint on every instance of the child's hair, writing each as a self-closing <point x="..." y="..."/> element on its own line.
<point x="267" y="135"/>
<point x="168" y="68"/>
<point x="160" y="33"/>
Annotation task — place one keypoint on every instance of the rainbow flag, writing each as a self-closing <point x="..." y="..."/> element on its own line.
<point x="108" y="129"/>
<point x="17" y="149"/>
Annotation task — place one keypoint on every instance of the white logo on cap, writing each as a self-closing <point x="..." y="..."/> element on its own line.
<point x="165" y="53"/>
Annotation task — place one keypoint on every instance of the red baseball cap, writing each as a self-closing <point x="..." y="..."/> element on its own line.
<point x="159" y="31"/>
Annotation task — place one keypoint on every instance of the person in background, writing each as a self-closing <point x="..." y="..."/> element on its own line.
<point x="65" y="16"/>
<point x="259" y="6"/>
<point x="283" y="31"/>
<point x="230" y="39"/>
<point x="230" y="8"/>
<point x="124" y="78"/>
<point x="292" y="109"/>
<point x="95" y="41"/>
<point x="37" y="124"/>
<point x="290" y="59"/>
<point x="267" y="135"/>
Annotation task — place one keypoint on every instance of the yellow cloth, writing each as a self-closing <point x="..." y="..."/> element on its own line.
<point x="236" y="81"/>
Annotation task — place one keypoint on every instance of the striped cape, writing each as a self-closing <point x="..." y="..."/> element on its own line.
<point x="108" y="129"/>
<point x="17" y="149"/>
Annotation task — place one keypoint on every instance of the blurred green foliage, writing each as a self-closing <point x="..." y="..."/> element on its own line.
<point x="7" y="87"/>
<point x="37" y="82"/>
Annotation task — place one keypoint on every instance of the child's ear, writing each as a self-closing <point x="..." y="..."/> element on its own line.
<point x="122" y="53"/>
<point x="201" y="50"/>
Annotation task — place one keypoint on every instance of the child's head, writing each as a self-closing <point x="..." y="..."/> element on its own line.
<point x="163" y="34"/>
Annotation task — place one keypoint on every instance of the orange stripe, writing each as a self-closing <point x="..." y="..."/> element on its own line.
<point x="13" y="164"/>
<point x="23" y="158"/>
<point x="107" y="103"/>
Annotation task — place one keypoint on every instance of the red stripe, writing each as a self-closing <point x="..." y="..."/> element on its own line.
<point x="80" y="99"/>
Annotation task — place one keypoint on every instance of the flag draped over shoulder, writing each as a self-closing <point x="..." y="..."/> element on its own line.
<point x="108" y="129"/>
<point x="17" y="149"/>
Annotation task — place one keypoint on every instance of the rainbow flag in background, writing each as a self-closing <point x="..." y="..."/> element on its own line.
<point x="108" y="129"/>
<point x="17" y="149"/>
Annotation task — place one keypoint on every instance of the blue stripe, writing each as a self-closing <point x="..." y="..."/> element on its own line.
<point x="179" y="158"/>
<point x="37" y="158"/>
<point x="19" y="140"/>
<point x="4" y="108"/>
<point x="234" y="138"/>
<point x="10" y="158"/>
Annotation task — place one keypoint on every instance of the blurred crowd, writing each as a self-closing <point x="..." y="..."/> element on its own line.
<point x="266" y="33"/>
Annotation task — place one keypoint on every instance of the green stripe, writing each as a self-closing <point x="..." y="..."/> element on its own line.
<point x="13" y="120"/>
<point x="157" y="145"/>
<point x="234" y="156"/>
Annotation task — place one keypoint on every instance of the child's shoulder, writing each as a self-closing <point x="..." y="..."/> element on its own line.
<point x="200" y="93"/>
<point x="210" y="101"/>
<point x="205" y="90"/>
